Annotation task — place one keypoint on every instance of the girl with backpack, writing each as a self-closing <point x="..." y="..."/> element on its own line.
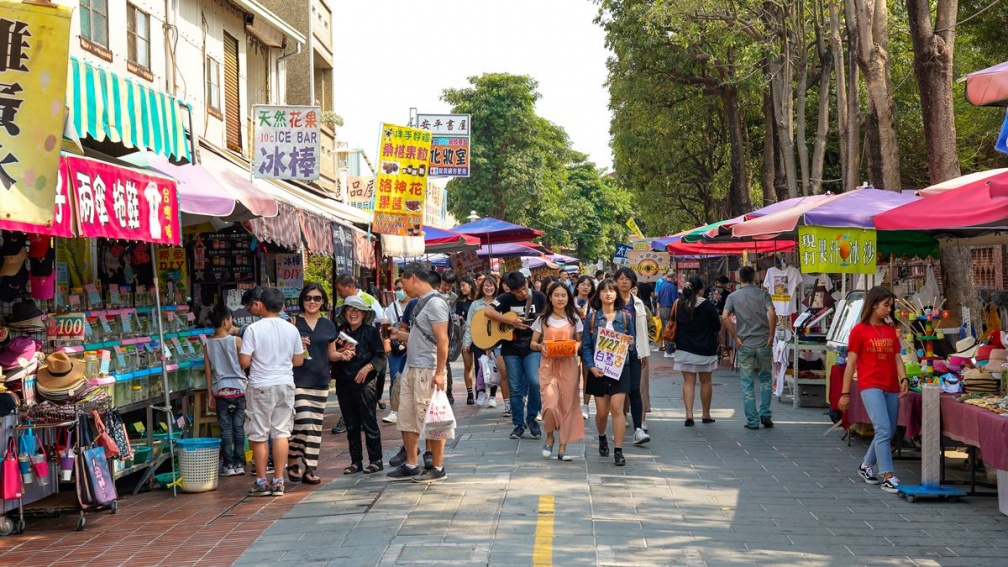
<point x="559" y="383"/>
<point x="610" y="395"/>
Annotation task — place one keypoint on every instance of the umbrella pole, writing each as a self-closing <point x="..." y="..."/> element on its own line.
<point x="164" y="370"/>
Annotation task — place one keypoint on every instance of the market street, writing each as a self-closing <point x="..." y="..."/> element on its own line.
<point x="713" y="494"/>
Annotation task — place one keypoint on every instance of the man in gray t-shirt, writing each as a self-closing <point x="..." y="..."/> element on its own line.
<point x="426" y="358"/>
<point x="755" y="319"/>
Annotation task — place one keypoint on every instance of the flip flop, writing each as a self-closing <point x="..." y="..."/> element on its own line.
<point x="291" y="469"/>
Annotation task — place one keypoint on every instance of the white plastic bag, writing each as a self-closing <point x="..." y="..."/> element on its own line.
<point x="491" y="374"/>
<point x="439" y="413"/>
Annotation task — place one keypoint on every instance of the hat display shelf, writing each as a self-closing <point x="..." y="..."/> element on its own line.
<point x="930" y="485"/>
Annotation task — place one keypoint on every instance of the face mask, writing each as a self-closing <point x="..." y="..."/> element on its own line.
<point x="400" y="294"/>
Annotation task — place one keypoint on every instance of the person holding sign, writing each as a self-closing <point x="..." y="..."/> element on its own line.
<point x="605" y="345"/>
<point x="698" y="323"/>
<point x="556" y="333"/>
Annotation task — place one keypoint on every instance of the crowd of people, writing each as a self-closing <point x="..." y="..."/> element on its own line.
<point x="270" y="380"/>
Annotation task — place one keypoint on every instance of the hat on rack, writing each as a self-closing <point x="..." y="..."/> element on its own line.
<point x="13" y="243"/>
<point x="14" y="263"/>
<point x="19" y="352"/>
<point x="43" y="287"/>
<point x="983" y="352"/>
<point x="43" y="265"/>
<point x="61" y="376"/>
<point x="39" y="245"/>
<point x="11" y="287"/>
<point x="25" y="314"/>
<point x="967" y="347"/>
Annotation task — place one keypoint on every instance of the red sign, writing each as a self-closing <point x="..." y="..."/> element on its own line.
<point x="62" y="215"/>
<point x="687" y="264"/>
<point x="121" y="203"/>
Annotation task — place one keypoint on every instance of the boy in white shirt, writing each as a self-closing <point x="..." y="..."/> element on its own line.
<point x="271" y="348"/>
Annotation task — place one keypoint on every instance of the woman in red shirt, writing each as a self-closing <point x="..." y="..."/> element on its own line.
<point x="874" y="350"/>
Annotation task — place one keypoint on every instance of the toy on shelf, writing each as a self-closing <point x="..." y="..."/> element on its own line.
<point x="906" y="314"/>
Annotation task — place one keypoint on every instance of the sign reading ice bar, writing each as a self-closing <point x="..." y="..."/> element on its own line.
<point x="287" y="142"/>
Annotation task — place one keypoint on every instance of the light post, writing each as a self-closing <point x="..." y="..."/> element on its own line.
<point x="472" y="216"/>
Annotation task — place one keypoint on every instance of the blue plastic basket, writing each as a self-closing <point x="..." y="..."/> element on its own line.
<point x="198" y="443"/>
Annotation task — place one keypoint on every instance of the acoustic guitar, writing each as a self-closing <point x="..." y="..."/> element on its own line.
<point x="487" y="334"/>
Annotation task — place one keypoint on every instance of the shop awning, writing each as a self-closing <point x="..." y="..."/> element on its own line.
<point x="493" y="231"/>
<point x="284" y="229"/>
<point x="962" y="181"/>
<point x="731" y="248"/>
<point x="508" y="250"/>
<point x="105" y="105"/>
<point x="441" y="240"/>
<point x="200" y="195"/>
<point x="238" y="184"/>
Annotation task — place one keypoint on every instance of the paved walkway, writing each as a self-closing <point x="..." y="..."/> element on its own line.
<point x="714" y="494"/>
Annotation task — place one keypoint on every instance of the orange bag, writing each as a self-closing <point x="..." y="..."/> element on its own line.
<point x="560" y="349"/>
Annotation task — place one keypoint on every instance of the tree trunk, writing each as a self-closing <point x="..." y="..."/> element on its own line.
<point x="782" y="92"/>
<point x="738" y="200"/>
<point x="822" y="126"/>
<point x="873" y="55"/>
<point x="852" y="171"/>
<point x="796" y="21"/>
<point x="769" y="173"/>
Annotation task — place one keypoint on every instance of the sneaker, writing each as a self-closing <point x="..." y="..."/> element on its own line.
<point x="492" y="403"/>
<point x="534" y="429"/>
<point x="507" y="408"/>
<point x="431" y="474"/>
<point x="481" y="399"/>
<point x="428" y="459"/>
<point x="226" y="471"/>
<point x="640" y="437"/>
<point x="470" y="400"/>
<point x="868" y="473"/>
<point x="392" y="417"/>
<point x="239" y="470"/>
<point x="260" y="489"/>
<point x="340" y="427"/>
<point x="584" y="411"/>
<point x="278" y="488"/>
<point x="891" y="485"/>
<point x="767" y="422"/>
<point x="669" y="355"/>
<point x="518" y="432"/>
<point x="751" y="426"/>
<point x="400" y="458"/>
<point x="402" y="472"/>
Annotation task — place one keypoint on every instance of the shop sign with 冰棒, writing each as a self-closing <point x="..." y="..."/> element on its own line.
<point x="34" y="46"/>
<point x="401" y="184"/>
<point x="122" y="203"/>
<point x="831" y="250"/>
<point x="287" y="142"/>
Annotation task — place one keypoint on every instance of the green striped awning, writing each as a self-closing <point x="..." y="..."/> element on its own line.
<point x="105" y="105"/>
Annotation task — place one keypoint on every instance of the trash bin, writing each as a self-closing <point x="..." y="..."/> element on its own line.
<point x="198" y="461"/>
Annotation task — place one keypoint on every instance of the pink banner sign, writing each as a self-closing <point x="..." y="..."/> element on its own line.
<point x="62" y="224"/>
<point x="121" y="203"/>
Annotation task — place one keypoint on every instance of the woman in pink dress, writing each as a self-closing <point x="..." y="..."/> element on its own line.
<point x="559" y="377"/>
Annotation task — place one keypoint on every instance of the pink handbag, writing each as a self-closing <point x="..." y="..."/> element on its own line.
<point x="11" y="480"/>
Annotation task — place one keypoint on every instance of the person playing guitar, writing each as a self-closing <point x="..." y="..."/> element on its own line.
<point x="518" y="308"/>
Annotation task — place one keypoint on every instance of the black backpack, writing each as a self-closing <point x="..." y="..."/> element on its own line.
<point x="456" y="330"/>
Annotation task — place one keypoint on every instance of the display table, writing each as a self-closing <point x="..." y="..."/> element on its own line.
<point x="909" y="410"/>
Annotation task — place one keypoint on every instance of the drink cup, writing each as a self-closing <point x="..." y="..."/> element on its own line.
<point x="347" y="339"/>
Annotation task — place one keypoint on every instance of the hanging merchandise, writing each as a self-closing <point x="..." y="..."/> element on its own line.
<point x="40" y="464"/>
<point x="782" y="281"/>
<point x="95" y="484"/>
<point x="11" y="478"/>
<point x="66" y="459"/>
<point x="61" y="378"/>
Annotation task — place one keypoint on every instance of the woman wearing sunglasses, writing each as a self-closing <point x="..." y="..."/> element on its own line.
<point x="311" y="383"/>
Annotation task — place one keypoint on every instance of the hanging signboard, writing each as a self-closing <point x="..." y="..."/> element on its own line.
<point x="290" y="274"/>
<point x="171" y="269"/>
<point x="444" y="124"/>
<point x="620" y="258"/>
<point x="611" y="350"/>
<point x="65" y="327"/>
<point x="360" y="193"/>
<point x="34" y="48"/>
<point x="449" y="156"/>
<point x="62" y="223"/>
<point x="468" y="262"/>
<point x="287" y="142"/>
<point x="122" y="203"/>
<point x="830" y="250"/>
<point x="687" y="264"/>
<point x="511" y="264"/>
<point x="401" y="184"/>
<point x="648" y="264"/>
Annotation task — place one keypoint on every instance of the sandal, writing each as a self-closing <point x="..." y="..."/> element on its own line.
<point x="291" y="476"/>
<point x="352" y="469"/>
<point x="310" y="478"/>
<point x="373" y="467"/>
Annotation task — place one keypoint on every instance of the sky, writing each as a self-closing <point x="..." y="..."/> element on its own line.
<point x="393" y="55"/>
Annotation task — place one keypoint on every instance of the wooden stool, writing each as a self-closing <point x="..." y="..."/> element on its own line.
<point x="202" y="416"/>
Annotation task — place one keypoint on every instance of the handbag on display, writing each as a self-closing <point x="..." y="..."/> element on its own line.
<point x="117" y="429"/>
<point x="95" y="483"/>
<point x="669" y="332"/>
<point x="11" y="479"/>
<point x="104" y="439"/>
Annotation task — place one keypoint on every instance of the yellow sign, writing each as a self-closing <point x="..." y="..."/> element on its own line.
<point x="34" y="49"/>
<point x="401" y="183"/>
<point x="632" y="225"/>
<point x="828" y="250"/>
<point x="648" y="264"/>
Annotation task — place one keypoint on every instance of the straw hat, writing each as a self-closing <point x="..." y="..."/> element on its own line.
<point x="967" y="347"/>
<point x="61" y="374"/>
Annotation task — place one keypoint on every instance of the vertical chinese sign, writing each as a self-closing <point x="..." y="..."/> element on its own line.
<point x="290" y="278"/>
<point x="401" y="184"/>
<point x="287" y="142"/>
<point x="123" y="204"/>
<point x="828" y="250"/>
<point x="34" y="46"/>
<point x="449" y="152"/>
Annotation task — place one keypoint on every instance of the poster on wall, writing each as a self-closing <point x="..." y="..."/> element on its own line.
<point x="287" y="142"/>
<point x="222" y="258"/>
<point x="401" y="184"/>
<point x="172" y="274"/>
<point x="343" y="249"/>
<point x="648" y="264"/>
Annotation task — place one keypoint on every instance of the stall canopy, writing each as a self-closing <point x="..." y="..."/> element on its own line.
<point x="989" y="86"/>
<point x="493" y="231"/>
<point x="731" y="248"/>
<point x="441" y="240"/>
<point x="970" y="178"/>
<point x="508" y="250"/>
<point x="236" y="183"/>
<point x="968" y="207"/>
<point x="201" y="197"/>
<point x="564" y="259"/>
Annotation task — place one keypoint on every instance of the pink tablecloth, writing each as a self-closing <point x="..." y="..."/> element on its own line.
<point x="909" y="412"/>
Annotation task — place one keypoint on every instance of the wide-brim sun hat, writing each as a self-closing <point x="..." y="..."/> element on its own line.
<point x="357" y="303"/>
<point x="60" y="373"/>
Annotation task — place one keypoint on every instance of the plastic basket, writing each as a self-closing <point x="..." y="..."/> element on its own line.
<point x="198" y="460"/>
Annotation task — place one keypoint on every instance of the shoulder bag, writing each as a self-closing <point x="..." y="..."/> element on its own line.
<point x="669" y="332"/>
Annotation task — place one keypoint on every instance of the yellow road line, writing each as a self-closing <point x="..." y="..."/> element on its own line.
<point x="542" y="553"/>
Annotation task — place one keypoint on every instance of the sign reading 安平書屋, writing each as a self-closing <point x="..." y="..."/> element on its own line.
<point x="449" y="152"/>
<point x="287" y="142"/>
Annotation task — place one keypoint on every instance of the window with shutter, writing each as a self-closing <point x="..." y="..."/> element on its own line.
<point x="232" y="101"/>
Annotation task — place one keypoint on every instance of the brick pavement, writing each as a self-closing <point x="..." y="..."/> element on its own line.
<point x="712" y="495"/>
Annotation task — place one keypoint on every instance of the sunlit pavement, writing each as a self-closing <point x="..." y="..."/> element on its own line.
<point x="713" y="494"/>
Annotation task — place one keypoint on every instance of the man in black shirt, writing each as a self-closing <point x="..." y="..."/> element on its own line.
<point x="519" y="308"/>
